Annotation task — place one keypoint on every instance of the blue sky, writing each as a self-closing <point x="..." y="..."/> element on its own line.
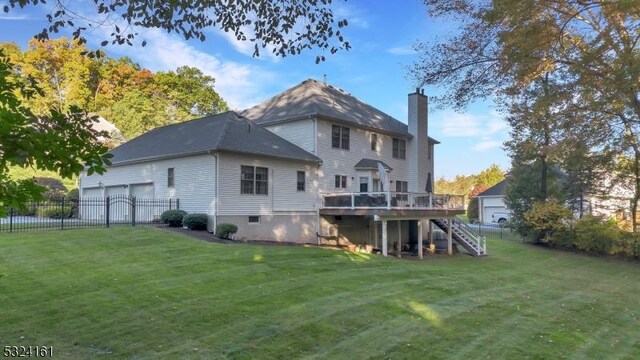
<point x="374" y="70"/>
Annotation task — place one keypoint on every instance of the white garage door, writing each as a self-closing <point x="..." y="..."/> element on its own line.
<point x="490" y="210"/>
<point x="144" y="191"/>
<point x="91" y="206"/>
<point x="92" y="192"/>
<point x="119" y="203"/>
<point x="145" y="204"/>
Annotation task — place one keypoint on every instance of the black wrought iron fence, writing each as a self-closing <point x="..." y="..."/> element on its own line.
<point x="85" y="212"/>
<point x="497" y="231"/>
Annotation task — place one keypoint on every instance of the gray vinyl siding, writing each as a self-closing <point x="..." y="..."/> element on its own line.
<point x="342" y="162"/>
<point x="282" y="196"/>
<point x="298" y="132"/>
<point x="194" y="180"/>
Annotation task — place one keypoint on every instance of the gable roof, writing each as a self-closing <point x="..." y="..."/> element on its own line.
<point x="370" y="164"/>
<point x="314" y="98"/>
<point x="499" y="189"/>
<point x="222" y="132"/>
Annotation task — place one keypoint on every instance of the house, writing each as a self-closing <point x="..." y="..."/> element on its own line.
<point x="613" y="200"/>
<point x="313" y="164"/>
<point x="491" y="205"/>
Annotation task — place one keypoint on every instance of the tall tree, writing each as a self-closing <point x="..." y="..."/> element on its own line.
<point x="60" y="142"/>
<point x="504" y="46"/>
<point x="288" y="27"/>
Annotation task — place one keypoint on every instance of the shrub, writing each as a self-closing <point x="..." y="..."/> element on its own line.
<point x="173" y="218"/>
<point x="226" y="230"/>
<point x="54" y="212"/>
<point x="472" y="210"/>
<point x="73" y="198"/>
<point x="598" y="235"/>
<point x="195" y="221"/>
<point x="55" y="189"/>
<point x="545" y="218"/>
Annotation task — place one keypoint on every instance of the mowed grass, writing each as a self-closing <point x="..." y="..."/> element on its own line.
<point x="148" y="293"/>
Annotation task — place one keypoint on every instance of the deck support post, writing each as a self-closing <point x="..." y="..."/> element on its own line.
<point x="384" y="237"/>
<point x="399" y="249"/>
<point x="376" y="242"/>
<point x="450" y="237"/>
<point x="420" y="239"/>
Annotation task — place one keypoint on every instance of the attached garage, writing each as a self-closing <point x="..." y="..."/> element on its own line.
<point x="146" y="211"/>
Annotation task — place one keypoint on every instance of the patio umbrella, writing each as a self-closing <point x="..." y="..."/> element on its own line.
<point x="429" y="187"/>
<point x="384" y="177"/>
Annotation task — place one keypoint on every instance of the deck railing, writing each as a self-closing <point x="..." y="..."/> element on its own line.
<point x="391" y="200"/>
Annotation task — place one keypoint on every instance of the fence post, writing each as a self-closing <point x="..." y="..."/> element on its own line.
<point x="169" y="203"/>
<point x="11" y="220"/>
<point x="62" y="215"/>
<point x="133" y="211"/>
<point x="107" y="203"/>
<point x="178" y="204"/>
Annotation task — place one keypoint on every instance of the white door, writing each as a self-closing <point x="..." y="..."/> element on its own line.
<point x="144" y="201"/>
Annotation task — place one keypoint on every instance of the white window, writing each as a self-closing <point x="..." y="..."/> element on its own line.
<point x="402" y="187"/>
<point x="301" y="180"/>
<point x="341" y="181"/>
<point x="254" y="180"/>
<point x="171" y="177"/>
<point x="374" y="142"/>
<point x="399" y="149"/>
<point x="340" y="137"/>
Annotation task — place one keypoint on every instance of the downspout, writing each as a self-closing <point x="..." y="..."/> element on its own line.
<point x="216" y="197"/>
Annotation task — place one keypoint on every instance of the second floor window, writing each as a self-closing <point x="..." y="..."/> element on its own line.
<point x="300" y="185"/>
<point x="254" y="180"/>
<point x="341" y="182"/>
<point x="339" y="137"/>
<point x="374" y="142"/>
<point x="399" y="149"/>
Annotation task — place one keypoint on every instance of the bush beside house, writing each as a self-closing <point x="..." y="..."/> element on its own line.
<point x="173" y="218"/>
<point x="226" y="230"/>
<point x="195" y="221"/>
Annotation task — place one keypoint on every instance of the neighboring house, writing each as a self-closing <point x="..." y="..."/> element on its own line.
<point x="308" y="165"/>
<point x="102" y="124"/>
<point x="615" y="201"/>
<point x="491" y="205"/>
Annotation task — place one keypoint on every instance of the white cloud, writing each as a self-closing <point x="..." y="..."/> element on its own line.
<point x="487" y="145"/>
<point x="401" y="50"/>
<point x="468" y="125"/>
<point x="238" y="84"/>
<point x="246" y="47"/>
<point x="355" y="16"/>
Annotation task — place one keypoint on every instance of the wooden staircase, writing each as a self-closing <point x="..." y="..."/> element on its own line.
<point x="464" y="236"/>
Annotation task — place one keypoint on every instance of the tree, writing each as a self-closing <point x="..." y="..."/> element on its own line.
<point x="524" y="190"/>
<point x="589" y="46"/>
<point x="61" y="71"/>
<point x="134" y="99"/>
<point x="60" y="142"/>
<point x="189" y="93"/>
<point x="287" y="27"/>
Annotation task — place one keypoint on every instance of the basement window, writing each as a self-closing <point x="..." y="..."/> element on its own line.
<point x="254" y="219"/>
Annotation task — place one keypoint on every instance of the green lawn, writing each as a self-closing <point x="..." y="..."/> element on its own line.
<point x="147" y="293"/>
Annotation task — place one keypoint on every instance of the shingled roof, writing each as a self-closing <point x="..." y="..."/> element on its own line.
<point x="314" y="98"/>
<point x="222" y="132"/>
<point x="496" y="190"/>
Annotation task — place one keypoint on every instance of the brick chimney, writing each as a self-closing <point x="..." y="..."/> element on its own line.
<point x="418" y="162"/>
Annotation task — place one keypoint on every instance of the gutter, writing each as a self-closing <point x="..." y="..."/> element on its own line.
<point x="217" y="198"/>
